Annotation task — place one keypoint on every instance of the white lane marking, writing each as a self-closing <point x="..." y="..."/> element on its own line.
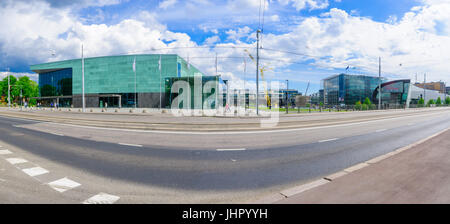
<point x="328" y="140"/>
<point x="381" y="130"/>
<point x="5" y="152"/>
<point x="302" y="188"/>
<point x="35" y="171"/>
<point x="63" y="184"/>
<point x="241" y="132"/>
<point x="102" y="198"/>
<point x="2" y="180"/>
<point x="57" y="134"/>
<point x="14" y="161"/>
<point x="127" y="144"/>
<point x="228" y="150"/>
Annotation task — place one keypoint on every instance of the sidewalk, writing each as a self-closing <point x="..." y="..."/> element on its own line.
<point x="419" y="175"/>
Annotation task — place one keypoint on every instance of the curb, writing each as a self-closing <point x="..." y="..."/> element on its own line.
<point x="287" y="193"/>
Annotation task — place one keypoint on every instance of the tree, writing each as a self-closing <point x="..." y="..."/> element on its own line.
<point x="24" y="85"/>
<point x="367" y="101"/>
<point x="421" y="102"/>
<point x="438" y="101"/>
<point x="4" y="87"/>
<point x="430" y="102"/>
<point x="447" y="100"/>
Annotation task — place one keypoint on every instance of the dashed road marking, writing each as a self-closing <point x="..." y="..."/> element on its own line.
<point x="102" y="198"/>
<point x="2" y="180"/>
<point x="228" y="150"/>
<point x="15" y="161"/>
<point x="328" y="140"/>
<point x="127" y="144"/>
<point x="57" y="134"/>
<point x="63" y="184"/>
<point x="35" y="171"/>
<point x="381" y="130"/>
<point x="5" y="152"/>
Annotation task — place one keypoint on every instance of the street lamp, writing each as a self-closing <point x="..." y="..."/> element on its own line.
<point x="287" y="96"/>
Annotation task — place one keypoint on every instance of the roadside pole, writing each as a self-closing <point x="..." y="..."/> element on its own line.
<point x="82" y="80"/>
<point x="257" y="71"/>
<point x="287" y="96"/>
<point x="9" y="90"/>
<point x="379" y="84"/>
<point x="160" y="88"/>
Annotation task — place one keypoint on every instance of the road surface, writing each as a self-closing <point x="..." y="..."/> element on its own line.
<point x="131" y="166"/>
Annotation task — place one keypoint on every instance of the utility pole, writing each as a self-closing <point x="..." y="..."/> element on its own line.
<point x="287" y="96"/>
<point x="9" y="91"/>
<point x="424" y="87"/>
<point x="379" y="84"/>
<point x="257" y="71"/>
<point x="82" y="79"/>
<point x="245" y="91"/>
<point x="160" y="81"/>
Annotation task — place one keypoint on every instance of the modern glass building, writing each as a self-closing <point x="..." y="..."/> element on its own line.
<point x="346" y="89"/>
<point x="112" y="81"/>
<point x="402" y="93"/>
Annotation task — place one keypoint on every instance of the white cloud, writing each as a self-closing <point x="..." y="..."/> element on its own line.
<point x="303" y="4"/>
<point x="167" y="3"/>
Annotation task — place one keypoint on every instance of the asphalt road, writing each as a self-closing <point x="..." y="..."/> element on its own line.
<point x="189" y="168"/>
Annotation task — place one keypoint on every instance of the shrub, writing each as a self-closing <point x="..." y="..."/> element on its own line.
<point x="421" y="102"/>
<point x="365" y="107"/>
<point x="431" y="102"/>
<point x="447" y="100"/>
<point x="358" y="106"/>
<point x="438" y="101"/>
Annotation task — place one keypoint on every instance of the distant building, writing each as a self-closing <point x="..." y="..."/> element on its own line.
<point x="447" y="90"/>
<point x="290" y="94"/>
<point x="346" y="89"/>
<point x="402" y="93"/>
<point x="438" y="86"/>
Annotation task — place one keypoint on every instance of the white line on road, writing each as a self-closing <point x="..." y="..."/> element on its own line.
<point x="381" y="130"/>
<point x="15" y="161"/>
<point x="228" y="150"/>
<point x="35" y="171"/>
<point x="127" y="144"/>
<point x="63" y="184"/>
<point x="328" y="140"/>
<point x="239" y="132"/>
<point x="2" y="180"/>
<point x="5" y="152"/>
<point x="102" y="198"/>
<point x="57" y="134"/>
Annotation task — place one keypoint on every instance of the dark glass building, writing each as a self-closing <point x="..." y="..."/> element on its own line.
<point x="346" y="89"/>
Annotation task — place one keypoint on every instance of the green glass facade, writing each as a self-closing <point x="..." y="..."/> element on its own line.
<point x="346" y="89"/>
<point x="112" y="79"/>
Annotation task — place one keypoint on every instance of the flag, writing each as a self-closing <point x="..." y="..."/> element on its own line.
<point x="134" y="65"/>
<point x="159" y="63"/>
<point x="188" y="64"/>
<point x="347" y="67"/>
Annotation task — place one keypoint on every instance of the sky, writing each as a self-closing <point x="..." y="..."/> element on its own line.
<point x="303" y="41"/>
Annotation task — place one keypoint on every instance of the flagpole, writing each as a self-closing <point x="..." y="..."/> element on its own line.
<point x="134" y="69"/>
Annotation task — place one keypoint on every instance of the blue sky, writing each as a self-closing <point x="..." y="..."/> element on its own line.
<point x="322" y="36"/>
